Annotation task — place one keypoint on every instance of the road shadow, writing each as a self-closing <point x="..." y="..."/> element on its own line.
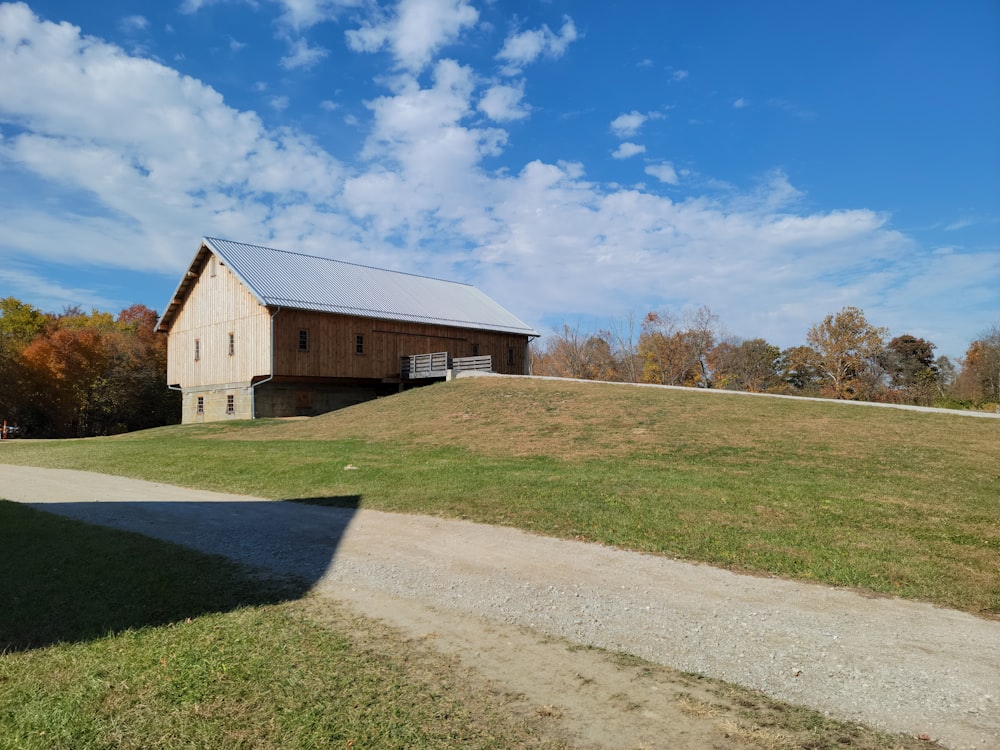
<point x="76" y="571"/>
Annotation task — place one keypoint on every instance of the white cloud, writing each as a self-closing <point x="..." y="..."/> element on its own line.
<point x="131" y="24"/>
<point x="664" y="172"/>
<point x="193" y="6"/>
<point x="295" y="14"/>
<point x="139" y="155"/>
<point x="303" y="56"/>
<point x="522" y="48"/>
<point x="235" y="45"/>
<point x="504" y="103"/>
<point x="627" y="125"/>
<point x="741" y="103"/>
<point x="329" y="106"/>
<point x="279" y="103"/>
<point x="303" y="14"/>
<point x="679" y="75"/>
<point x="627" y="150"/>
<point x="417" y="30"/>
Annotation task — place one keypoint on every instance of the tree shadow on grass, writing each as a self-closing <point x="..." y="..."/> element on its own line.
<point x="80" y="571"/>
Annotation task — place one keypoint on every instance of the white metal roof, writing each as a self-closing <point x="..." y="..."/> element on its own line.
<point x="278" y="278"/>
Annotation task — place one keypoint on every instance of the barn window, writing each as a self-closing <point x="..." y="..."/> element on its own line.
<point x="201" y="405"/>
<point x="230" y="404"/>
<point x="303" y="339"/>
<point x="197" y="350"/>
<point x="211" y="266"/>
<point x="359" y="344"/>
<point x="232" y="344"/>
<point x="475" y="350"/>
<point x="510" y="355"/>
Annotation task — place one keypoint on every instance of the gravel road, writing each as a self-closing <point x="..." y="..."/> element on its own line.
<point x="896" y="665"/>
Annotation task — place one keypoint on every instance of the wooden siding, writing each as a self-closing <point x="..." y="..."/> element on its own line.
<point x="219" y="305"/>
<point x="333" y="339"/>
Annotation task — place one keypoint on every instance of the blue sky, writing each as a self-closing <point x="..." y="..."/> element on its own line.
<point x="577" y="160"/>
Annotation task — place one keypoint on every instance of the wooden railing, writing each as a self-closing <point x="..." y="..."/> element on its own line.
<point x="464" y="364"/>
<point x="424" y="366"/>
<point x="436" y="365"/>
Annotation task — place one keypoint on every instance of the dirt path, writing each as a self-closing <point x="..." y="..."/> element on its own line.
<point x="490" y="596"/>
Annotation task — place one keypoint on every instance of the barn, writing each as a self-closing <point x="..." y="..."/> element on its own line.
<point x="258" y="332"/>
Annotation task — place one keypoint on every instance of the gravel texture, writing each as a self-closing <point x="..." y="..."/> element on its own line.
<point x="897" y="665"/>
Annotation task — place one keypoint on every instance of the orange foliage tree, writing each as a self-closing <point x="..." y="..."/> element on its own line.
<point x="93" y="374"/>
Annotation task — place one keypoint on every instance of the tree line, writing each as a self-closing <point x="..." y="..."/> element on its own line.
<point x="844" y="357"/>
<point x="77" y="374"/>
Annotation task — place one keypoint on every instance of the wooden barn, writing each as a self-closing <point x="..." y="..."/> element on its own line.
<point x="258" y="332"/>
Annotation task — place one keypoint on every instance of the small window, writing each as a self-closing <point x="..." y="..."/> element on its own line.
<point x="475" y="350"/>
<point x="211" y="267"/>
<point x="510" y="356"/>
<point x="303" y="339"/>
<point x="232" y="344"/>
<point x="197" y="350"/>
<point x="359" y="344"/>
<point x="201" y="405"/>
<point x="230" y="404"/>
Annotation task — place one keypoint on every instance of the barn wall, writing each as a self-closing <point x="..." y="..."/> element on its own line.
<point x="215" y="403"/>
<point x="217" y="306"/>
<point x="311" y="399"/>
<point x="332" y="345"/>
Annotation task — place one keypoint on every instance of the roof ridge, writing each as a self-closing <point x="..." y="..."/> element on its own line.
<point x="335" y="260"/>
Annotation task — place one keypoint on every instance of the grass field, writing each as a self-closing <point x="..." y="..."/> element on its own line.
<point x="895" y="502"/>
<point x="112" y="640"/>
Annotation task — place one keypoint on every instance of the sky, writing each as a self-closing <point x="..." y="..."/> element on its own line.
<point x="580" y="161"/>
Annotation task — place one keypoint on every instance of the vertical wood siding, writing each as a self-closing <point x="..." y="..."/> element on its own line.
<point x="332" y="342"/>
<point x="219" y="305"/>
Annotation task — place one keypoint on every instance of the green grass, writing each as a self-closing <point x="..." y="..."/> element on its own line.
<point x="896" y="502"/>
<point x="113" y="640"/>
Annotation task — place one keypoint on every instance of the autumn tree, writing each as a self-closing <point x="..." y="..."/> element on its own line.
<point x="93" y="374"/>
<point x="676" y="352"/>
<point x="62" y="371"/>
<point x="575" y="354"/>
<point x="848" y="350"/>
<point x="745" y="365"/>
<point x="979" y="380"/>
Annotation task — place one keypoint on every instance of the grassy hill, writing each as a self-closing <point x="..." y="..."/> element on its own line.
<point x="896" y="502"/>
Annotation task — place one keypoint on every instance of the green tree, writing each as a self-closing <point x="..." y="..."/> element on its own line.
<point x="797" y="369"/>
<point x="745" y="366"/>
<point x="913" y="375"/>
<point x="20" y="322"/>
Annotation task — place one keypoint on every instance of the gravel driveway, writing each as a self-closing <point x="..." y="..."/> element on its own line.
<point x="897" y="665"/>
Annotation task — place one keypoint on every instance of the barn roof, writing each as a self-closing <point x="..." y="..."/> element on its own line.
<point x="278" y="278"/>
